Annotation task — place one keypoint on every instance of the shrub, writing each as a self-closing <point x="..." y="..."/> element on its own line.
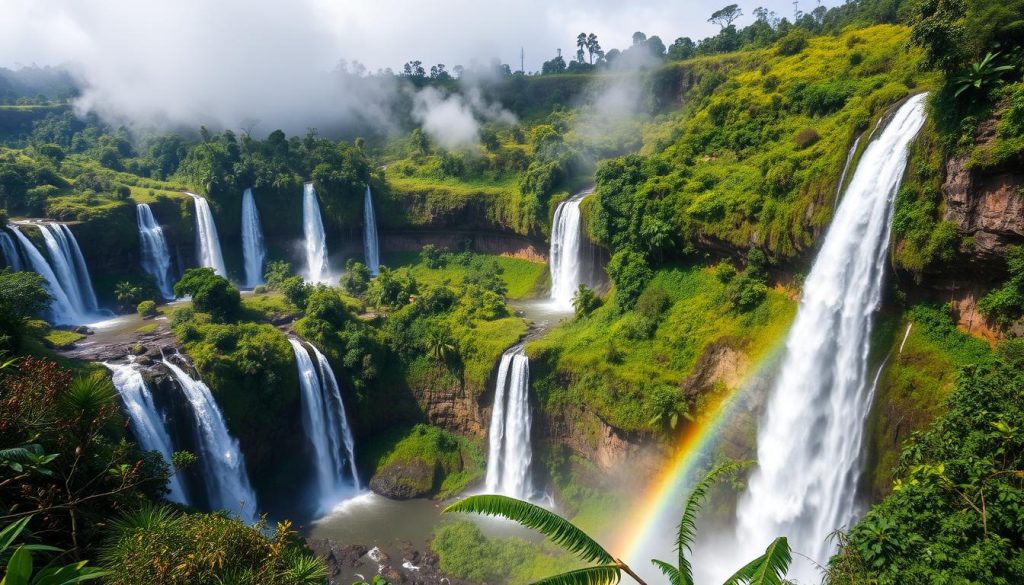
<point x="275" y="273"/>
<point x="793" y="43"/>
<point x="261" y="289"/>
<point x="356" y="279"/>
<point x="433" y="256"/>
<point x="653" y="302"/>
<point x="630" y="273"/>
<point x="464" y="551"/>
<point x="296" y="291"/>
<point x="146" y="309"/>
<point x="210" y="293"/>
<point x="807" y="137"/>
<point x="585" y="301"/>
<point x="1005" y="304"/>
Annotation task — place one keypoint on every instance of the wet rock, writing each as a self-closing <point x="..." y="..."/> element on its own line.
<point x="405" y="480"/>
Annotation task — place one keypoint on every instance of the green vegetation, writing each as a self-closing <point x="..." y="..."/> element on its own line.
<point x="954" y="511"/>
<point x="425" y="461"/>
<point x="768" y="569"/>
<point x="1005" y="304"/>
<point x="156" y="545"/>
<point x="465" y="552"/>
<point x="22" y="297"/>
<point x="655" y="347"/>
<point x="518" y="278"/>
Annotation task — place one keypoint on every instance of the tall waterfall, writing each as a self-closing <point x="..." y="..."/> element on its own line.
<point x="810" y="440"/>
<point x="565" y="261"/>
<point x="510" y="453"/>
<point x="206" y="237"/>
<point x="10" y="250"/>
<point x="316" y="237"/>
<point x="253" y="251"/>
<point x="147" y="423"/>
<point x="227" y="482"/>
<point x="66" y="275"/>
<point x="325" y="424"/>
<point x="154" y="253"/>
<point x="370" y="244"/>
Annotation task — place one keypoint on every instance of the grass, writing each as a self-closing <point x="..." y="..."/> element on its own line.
<point x="147" y="328"/>
<point x="268" y="306"/>
<point x="624" y="391"/>
<point x="458" y="462"/>
<point x="524" y="278"/>
<point x="61" y="339"/>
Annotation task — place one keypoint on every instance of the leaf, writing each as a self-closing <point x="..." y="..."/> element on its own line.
<point x="19" y="568"/>
<point x="559" y="530"/>
<point x="11" y="532"/>
<point x="599" y="575"/>
<point x="688" y="522"/>
<point x="671" y="572"/>
<point x="767" y="569"/>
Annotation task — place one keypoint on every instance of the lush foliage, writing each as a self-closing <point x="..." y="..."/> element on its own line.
<point x="1006" y="303"/>
<point x="22" y="296"/>
<point x="210" y="293"/>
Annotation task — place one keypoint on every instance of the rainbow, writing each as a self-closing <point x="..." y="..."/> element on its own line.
<point x="664" y="496"/>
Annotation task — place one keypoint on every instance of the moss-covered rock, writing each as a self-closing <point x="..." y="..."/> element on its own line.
<point x="423" y="461"/>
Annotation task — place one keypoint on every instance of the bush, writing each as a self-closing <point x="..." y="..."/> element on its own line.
<point x="157" y="546"/>
<point x="356" y="279"/>
<point x="793" y="43"/>
<point x="296" y="291"/>
<point x="465" y="552"/>
<point x="146" y="309"/>
<point x="1005" y="304"/>
<point x="807" y="137"/>
<point x="210" y="293"/>
<point x="275" y="273"/>
<point x="585" y="301"/>
<point x="653" y="302"/>
<point x="630" y="273"/>
<point x="433" y="256"/>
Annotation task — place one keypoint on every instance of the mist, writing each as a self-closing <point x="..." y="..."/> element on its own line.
<point x="267" y="64"/>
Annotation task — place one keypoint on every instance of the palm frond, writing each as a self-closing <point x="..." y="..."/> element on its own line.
<point x="599" y="575"/>
<point x="669" y="571"/>
<point x="767" y="569"/>
<point x="303" y="569"/>
<point x="688" y="522"/>
<point x="557" y="529"/>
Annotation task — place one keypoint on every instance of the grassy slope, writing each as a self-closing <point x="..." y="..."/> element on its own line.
<point x="738" y="173"/>
<point x="621" y="393"/>
<point x="522" y="277"/>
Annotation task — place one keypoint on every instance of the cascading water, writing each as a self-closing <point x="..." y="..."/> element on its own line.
<point x="809" y="442"/>
<point x="325" y="424"/>
<point x="253" y="251"/>
<point x="67" y="279"/>
<point x="227" y="482"/>
<point x="146" y="421"/>
<point x="510" y="453"/>
<point x="206" y="237"/>
<point x="316" y="237"/>
<point x="154" y="253"/>
<point x="10" y="250"/>
<point x="370" y="244"/>
<point x="565" y="261"/>
<point x="846" y="169"/>
<point x="69" y="266"/>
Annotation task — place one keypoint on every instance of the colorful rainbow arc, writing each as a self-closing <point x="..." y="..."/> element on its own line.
<point x="665" y="495"/>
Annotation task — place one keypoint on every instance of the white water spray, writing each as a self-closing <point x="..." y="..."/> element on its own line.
<point x="565" y="262"/>
<point x="510" y="453"/>
<point x="316" y="237"/>
<point x="810" y="440"/>
<point x="370" y="244"/>
<point x="326" y="425"/>
<point x="227" y="482"/>
<point x="206" y="237"/>
<point x="153" y="251"/>
<point x="253" y="251"/>
<point x="147" y="424"/>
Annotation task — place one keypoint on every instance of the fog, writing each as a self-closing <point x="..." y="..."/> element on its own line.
<point x="269" y="63"/>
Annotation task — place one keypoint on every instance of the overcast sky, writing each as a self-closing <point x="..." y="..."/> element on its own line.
<point x="213" y="55"/>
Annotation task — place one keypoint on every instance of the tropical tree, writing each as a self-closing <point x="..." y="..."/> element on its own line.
<point x="594" y="47"/>
<point x="440" y="343"/>
<point x="725" y="17"/>
<point x="581" y="46"/>
<point x="767" y="569"/>
<point x="585" y="301"/>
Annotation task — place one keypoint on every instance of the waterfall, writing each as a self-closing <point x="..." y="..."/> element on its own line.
<point x="206" y="237"/>
<point x="154" y="253"/>
<point x="565" y="261"/>
<point x="370" y="245"/>
<point x="67" y="307"/>
<point x="227" y="482"/>
<point x="846" y="169"/>
<point x="316" y="238"/>
<point x="509" y="453"/>
<point x="69" y="266"/>
<point x="253" y="250"/>
<point x="10" y="250"/>
<point x="147" y="424"/>
<point x="810" y="440"/>
<point x="325" y="424"/>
